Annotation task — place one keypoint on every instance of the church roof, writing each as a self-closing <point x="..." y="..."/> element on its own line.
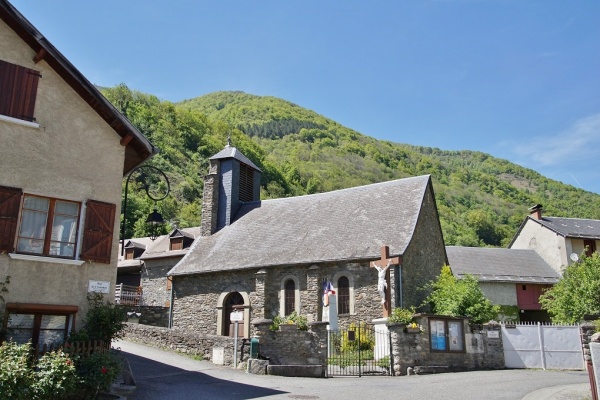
<point x="500" y="265"/>
<point x="343" y="225"/>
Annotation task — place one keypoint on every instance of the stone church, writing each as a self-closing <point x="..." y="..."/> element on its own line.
<point x="272" y="257"/>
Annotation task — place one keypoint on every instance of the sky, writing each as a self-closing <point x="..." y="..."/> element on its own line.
<point x="516" y="79"/>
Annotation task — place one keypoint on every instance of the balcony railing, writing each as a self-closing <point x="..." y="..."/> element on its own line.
<point x="129" y="295"/>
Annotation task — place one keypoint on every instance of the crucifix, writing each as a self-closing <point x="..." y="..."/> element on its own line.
<point x="383" y="281"/>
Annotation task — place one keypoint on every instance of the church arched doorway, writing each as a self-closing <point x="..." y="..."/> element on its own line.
<point x="233" y="302"/>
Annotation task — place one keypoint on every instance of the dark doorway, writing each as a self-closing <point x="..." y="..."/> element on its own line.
<point x="233" y="302"/>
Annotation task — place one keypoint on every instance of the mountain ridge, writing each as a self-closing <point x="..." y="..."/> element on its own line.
<point x="481" y="199"/>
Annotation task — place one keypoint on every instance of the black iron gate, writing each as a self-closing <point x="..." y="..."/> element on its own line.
<point x="359" y="350"/>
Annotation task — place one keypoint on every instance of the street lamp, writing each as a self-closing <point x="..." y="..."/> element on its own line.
<point x="155" y="219"/>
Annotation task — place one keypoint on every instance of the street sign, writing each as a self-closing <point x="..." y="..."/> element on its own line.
<point x="236" y="316"/>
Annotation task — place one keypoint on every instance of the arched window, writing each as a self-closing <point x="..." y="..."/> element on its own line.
<point x="290" y="296"/>
<point x="343" y="285"/>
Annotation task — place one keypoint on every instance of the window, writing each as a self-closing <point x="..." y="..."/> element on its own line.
<point x="176" y="244"/>
<point x="48" y="227"/>
<point x="129" y="254"/>
<point x="589" y="247"/>
<point x="446" y="335"/>
<point x="18" y="88"/>
<point x="343" y="295"/>
<point x="41" y="324"/>
<point x="290" y="297"/>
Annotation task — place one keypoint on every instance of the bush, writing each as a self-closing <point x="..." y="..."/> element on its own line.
<point x="363" y="338"/>
<point x="55" y="376"/>
<point x="97" y="373"/>
<point x="402" y="316"/>
<point x="16" y="375"/>
<point x="52" y="377"/>
<point x="103" y="321"/>
<point x="294" y="318"/>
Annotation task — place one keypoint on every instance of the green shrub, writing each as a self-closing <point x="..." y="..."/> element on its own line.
<point x="16" y="374"/>
<point x="363" y="338"/>
<point x="294" y="318"/>
<point x="103" y="321"/>
<point x="402" y="316"/>
<point x="55" y="376"/>
<point x="97" y="372"/>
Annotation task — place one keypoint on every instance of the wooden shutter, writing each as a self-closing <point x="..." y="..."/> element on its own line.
<point x="10" y="202"/>
<point x="98" y="231"/>
<point x="18" y="89"/>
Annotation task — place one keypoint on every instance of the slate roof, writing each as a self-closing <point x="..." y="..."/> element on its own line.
<point x="232" y="152"/>
<point x="160" y="247"/>
<point x="500" y="265"/>
<point x="572" y="227"/>
<point x="343" y="225"/>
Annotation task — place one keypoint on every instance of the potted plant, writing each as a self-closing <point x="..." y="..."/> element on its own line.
<point x="293" y="321"/>
<point x="404" y="316"/>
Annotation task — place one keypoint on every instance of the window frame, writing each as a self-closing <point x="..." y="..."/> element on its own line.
<point x="343" y="296"/>
<point x="589" y="247"/>
<point x="351" y="294"/>
<point x="50" y="217"/>
<point x="282" y="294"/>
<point x="39" y="311"/>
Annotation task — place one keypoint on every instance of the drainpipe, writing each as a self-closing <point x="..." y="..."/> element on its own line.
<point x="170" y="322"/>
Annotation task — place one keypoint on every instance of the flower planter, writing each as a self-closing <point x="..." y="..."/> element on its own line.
<point x="287" y="327"/>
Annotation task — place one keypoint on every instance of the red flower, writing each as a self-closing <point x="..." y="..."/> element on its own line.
<point x="104" y="370"/>
<point x="68" y="362"/>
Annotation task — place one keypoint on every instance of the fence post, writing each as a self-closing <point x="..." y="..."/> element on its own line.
<point x="541" y="338"/>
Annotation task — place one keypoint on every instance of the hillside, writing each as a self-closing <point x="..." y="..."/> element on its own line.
<point x="481" y="199"/>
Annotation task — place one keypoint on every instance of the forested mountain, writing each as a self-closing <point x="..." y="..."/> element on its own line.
<point x="481" y="199"/>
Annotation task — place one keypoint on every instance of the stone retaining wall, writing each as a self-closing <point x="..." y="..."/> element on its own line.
<point x="481" y="351"/>
<point x="218" y="349"/>
<point x="150" y="315"/>
<point x="292" y="347"/>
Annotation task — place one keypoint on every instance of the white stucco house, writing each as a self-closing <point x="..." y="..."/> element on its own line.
<point x="559" y="241"/>
<point x="64" y="150"/>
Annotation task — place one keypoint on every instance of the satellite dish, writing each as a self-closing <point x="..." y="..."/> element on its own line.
<point x="574" y="257"/>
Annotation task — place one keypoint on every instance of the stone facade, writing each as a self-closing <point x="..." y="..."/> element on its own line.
<point x="154" y="281"/>
<point x="196" y="305"/>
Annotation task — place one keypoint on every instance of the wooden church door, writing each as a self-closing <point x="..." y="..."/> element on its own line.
<point x="233" y="302"/>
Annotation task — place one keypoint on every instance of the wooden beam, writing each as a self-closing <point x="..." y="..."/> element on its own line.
<point x="40" y="55"/>
<point x="126" y="139"/>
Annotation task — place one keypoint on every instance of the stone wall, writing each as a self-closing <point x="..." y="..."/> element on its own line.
<point x="150" y="315"/>
<point x="292" y="347"/>
<point x="206" y="346"/>
<point x="482" y="350"/>
<point x="154" y="281"/>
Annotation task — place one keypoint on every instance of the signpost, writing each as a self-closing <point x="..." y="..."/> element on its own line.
<point x="235" y="317"/>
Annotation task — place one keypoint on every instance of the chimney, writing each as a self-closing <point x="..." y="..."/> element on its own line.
<point x="232" y="180"/>
<point x="536" y="211"/>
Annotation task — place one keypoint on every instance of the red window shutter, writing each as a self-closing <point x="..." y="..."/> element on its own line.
<point x="98" y="231"/>
<point x="18" y="89"/>
<point x="10" y="202"/>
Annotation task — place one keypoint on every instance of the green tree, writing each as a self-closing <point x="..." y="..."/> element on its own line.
<point x="460" y="297"/>
<point x="577" y="293"/>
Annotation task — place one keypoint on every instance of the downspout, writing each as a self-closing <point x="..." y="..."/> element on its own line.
<point x="399" y="291"/>
<point x="170" y="322"/>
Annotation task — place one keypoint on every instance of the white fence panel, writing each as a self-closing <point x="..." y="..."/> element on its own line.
<point x="542" y="346"/>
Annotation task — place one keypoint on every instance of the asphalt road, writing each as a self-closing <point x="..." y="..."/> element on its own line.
<point x="166" y="375"/>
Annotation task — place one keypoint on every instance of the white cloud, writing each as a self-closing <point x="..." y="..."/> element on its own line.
<point x="577" y="143"/>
